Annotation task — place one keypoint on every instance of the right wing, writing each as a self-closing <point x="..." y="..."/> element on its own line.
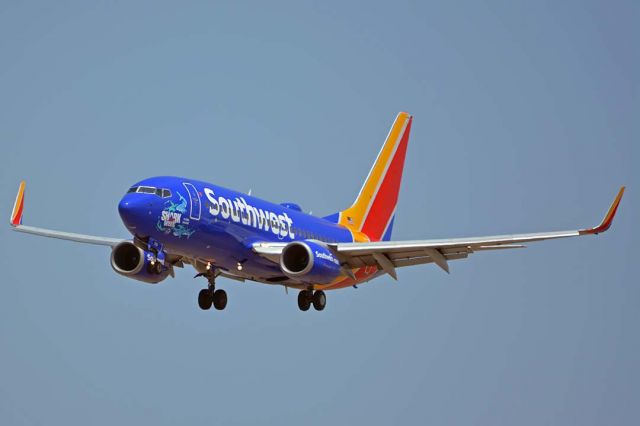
<point x="389" y="255"/>
<point x="16" y="224"/>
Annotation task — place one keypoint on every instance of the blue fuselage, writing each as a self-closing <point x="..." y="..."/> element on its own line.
<point x="210" y="223"/>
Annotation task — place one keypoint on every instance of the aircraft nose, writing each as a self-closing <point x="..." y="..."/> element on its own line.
<point x="125" y="206"/>
<point x="133" y="210"/>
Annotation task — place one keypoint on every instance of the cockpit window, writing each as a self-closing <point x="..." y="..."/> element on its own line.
<point x="147" y="190"/>
<point x="160" y="192"/>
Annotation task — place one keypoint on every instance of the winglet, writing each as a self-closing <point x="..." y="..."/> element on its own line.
<point x="18" y="207"/>
<point x="608" y="219"/>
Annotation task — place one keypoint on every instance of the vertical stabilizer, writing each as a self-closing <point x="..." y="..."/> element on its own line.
<point x="373" y="211"/>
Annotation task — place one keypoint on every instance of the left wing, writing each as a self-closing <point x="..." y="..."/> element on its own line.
<point x="16" y="224"/>
<point x="388" y="255"/>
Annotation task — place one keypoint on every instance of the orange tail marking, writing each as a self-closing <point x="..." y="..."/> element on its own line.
<point x="375" y="205"/>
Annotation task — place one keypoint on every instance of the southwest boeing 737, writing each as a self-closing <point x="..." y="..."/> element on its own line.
<point x="177" y="221"/>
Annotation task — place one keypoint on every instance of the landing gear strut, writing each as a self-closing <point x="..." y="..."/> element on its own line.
<point x="210" y="296"/>
<point x="308" y="297"/>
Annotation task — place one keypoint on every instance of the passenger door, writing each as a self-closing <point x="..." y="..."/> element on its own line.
<point x="194" y="197"/>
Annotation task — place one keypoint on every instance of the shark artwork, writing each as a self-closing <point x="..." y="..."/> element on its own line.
<point x="171" y="220"/>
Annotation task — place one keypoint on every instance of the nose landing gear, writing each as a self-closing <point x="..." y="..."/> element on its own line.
<point x="154" y="267"/>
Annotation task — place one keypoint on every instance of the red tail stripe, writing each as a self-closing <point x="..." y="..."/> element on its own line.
<point x="387" y="197"/>
<point x="18" y="217"/>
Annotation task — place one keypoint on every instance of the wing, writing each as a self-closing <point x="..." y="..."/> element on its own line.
<point x="16" y="224"/>
<point x="389" y="255"/>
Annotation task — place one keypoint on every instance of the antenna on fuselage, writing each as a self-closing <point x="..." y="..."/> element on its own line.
<point x="249" y="193"/>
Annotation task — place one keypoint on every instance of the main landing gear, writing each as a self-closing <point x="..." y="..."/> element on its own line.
<point x="210" y="296"/>
<point x="306" y="298"/>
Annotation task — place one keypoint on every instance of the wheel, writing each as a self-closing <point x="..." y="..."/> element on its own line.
<point x="220" y="299"/>
<point x="319" y="300"/>
<point x="204" y="299"/>
<point x="304" y="300"/>
<point x="154" y="268"/>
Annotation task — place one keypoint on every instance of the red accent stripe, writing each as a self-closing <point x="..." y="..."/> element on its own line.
<point x="387" y="197"/>
<point x="18" y="216"/>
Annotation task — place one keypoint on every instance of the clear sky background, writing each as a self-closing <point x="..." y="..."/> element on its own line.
<point x="526" y="119"/>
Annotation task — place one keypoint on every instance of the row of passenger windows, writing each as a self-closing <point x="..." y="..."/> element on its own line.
<point x="160" y="192"/>
<point x="308" y="235"/>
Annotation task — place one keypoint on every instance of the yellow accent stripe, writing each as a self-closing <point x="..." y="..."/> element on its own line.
<point x="353" y="217"/>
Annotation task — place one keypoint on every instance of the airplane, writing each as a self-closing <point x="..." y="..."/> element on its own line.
<point x="176" y="221"/>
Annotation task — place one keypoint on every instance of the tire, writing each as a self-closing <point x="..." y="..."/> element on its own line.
<point x="220" y="299"/>
<point x="204" y="299"/>
<point x="319" y="300"/>
<point x="304" y="301"/>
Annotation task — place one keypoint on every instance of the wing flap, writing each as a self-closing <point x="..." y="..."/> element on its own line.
<point x="445" y="244"/>
<point x="424" y="260"/>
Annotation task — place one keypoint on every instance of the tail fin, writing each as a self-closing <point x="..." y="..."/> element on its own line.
<point x="373" y="211"/>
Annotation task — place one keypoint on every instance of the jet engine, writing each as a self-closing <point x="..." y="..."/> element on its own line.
<point x="310" y="261"/>
<point x="131" y="261"/>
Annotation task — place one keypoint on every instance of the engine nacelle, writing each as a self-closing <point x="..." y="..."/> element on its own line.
<point x="309" y="261"/>
<point x="131" y="261"/>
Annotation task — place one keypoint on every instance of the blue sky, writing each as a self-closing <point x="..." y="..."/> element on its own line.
<point x="526" y="119"/>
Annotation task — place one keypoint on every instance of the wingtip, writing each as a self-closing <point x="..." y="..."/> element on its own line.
<point x="18" y="206"/>
<point x="608" y="218"/>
